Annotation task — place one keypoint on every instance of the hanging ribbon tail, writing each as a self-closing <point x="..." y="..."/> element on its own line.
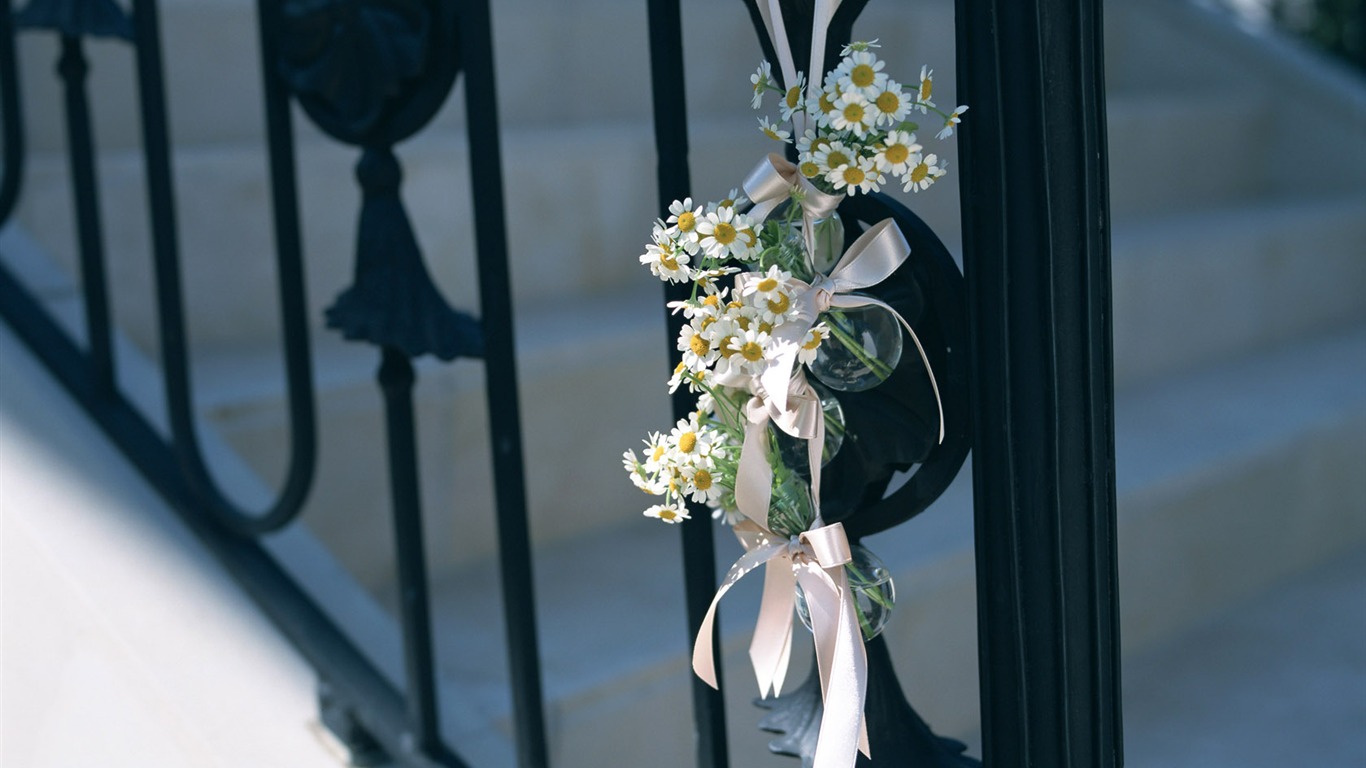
<point x="770" y="651"/>
<point x="753" y="474"/>
<point x="862" y="301"/>
<point x="703" y="653"/>
<point x="840" y="655"/>
<point x="821" y="17"/>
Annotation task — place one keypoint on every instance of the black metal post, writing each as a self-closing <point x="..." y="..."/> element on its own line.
<point x="500" y="377"/>
<point x="396" y="380"/>
<point x="699" y="552"/>
<point x="1036" y="256"/>
<point x="11" y="127"/>
<point x="73" y="69"/>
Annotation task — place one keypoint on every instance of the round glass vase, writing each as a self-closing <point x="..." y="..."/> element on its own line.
<point x="870" y="587"/>
<point x="863" y="349"/>
<point x="790" y="510"/>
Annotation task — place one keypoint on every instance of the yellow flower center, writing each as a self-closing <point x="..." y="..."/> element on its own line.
<point x="767" y="284"/>
<point x="816" y="337"/>
<point x="836" y="159"/>
<point x="687" y="441"/>
<point x="779" y="305"/>
<point x="668" y="261"/>
<point x="686" y="221"/>
<point x="925" y="87"/>
<point x="727" y="203"/>
<point x="657" y="454"/>
<point x="826" y="105"/>
<point x="752" y="352"/>
<point x="667" y="514"/>
<point x="701" y="479"/>
<point x="889" y="101"/>
<point x="919" y="172"/>
<point x="748" y="235"/>
<point x="680" y="368"/>
<point x="862" y="75"/>
<point x="810" y="170"/>
<point x="854" y="113"/>
<point x="726" y="349"/>
<point x="724" y="233"/>
<point x="897" y="154"/>
<point x="816" y="144"/>
<point x="853" y="175"/>
<point x="711" y="301"/>
<point x="743" y="322"/>
<point x="766" y="327"/>
<point x="699" y="345"/>
<point x="794" y="97"/>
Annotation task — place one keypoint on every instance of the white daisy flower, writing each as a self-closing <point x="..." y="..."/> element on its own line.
<point x="861" y="175"/>
<point x="774" y="132"/>
<point x="926" y="91"/>
<point x="861" y="72"/>
<point x="688" y="441"/>
<point x="896" y="151"/>
<point x="727" y="234"/>
<point x="811" y="342"/>
<point x="853" y="113"/>
<point x="832" y="155"/>
<point x="683" y="216"/>
<point x="769" y="287"/>
<point x="955" y="117"/>
<point x="859" y="46"/>
<point x="890" y="105"/>
<point x="762" y="80"/>
<point x="696" y="348"/>
<point x="656" y="452"/>
<point x="669" y="513"/>
<point x="823" y="106"/>
<point x="793" y="102"/>
<point x="808" y="140"/>
<point x="924" y="172"/>
<point x="667" y="261"/>
<point x="750" y="348"/>
<point x="702" y="486"/>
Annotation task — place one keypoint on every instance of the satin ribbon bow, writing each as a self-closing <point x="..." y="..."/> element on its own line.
<point x="773" y="181"/>
<point x="815" y="560"/>
<point x="873" y="257"/>
<point x="800" y="416"/>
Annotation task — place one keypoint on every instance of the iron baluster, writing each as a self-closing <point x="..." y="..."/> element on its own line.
<point x="85" y="191"/>
<point x="500" y="386"/>
<point x="396" y="380"/>
<point x="170" y="312"/>
<point x="699" y="552"/>
<point x="1036" y="251"/>
<point x="11" y="121"/>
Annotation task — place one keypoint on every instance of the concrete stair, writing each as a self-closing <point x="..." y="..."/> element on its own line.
<point x="1240" y="337"/>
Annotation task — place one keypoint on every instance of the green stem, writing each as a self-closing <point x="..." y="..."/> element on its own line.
<point x="855" y="347"/>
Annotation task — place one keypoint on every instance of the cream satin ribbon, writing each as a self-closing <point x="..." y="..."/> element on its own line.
<point x="873" y="257"/>
<point x="822" y="12"/>
<point x="815" y="560"/>
<point x="772" y="183"/>
<point x="800" y="416"/>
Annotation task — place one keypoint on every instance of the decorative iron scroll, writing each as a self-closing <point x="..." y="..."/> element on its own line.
<point x="372" y="73"/>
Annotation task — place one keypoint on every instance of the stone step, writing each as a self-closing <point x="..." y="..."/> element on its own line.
<point x="558" y="65"/>
<point x="579" y="206"/>
<point x="1187" y="293"/>
<point x="1230" y="479"/>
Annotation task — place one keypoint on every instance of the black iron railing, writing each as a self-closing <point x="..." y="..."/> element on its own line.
<point x="1022" y="347"/>
<point x="302" y="45"/>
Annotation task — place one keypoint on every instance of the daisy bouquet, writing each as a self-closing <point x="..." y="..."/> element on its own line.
<point x="777" y="292"/>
